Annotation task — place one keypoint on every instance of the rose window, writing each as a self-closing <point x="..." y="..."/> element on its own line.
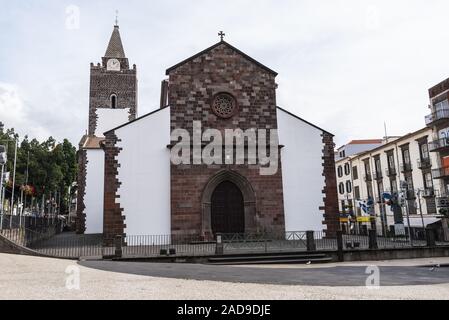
<point x="224" y="105"/>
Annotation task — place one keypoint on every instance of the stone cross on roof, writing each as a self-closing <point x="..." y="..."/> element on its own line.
<point x="221" y="34"/>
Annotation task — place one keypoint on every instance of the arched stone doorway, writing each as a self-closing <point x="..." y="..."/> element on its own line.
<point x="227" y="210"/>
<point x="233" y="181"/>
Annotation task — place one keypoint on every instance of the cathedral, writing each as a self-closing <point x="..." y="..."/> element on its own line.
<point x="128" y="183"/>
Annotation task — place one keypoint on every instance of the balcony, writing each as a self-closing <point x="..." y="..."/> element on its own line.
<point x="437" y="117"/>
<point x="428" y="193"/>
<point x="406" y="167"/>
<point x="390" y="172"/>
<point x="377" y="175"/>
<point x="424" y="163"/>
<point x="368" y="177"/>
<point x="440" y="173"/>
<point x="439" y="145"/>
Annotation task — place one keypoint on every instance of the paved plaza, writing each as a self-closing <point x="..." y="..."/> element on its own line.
<point x="25" y="277"/>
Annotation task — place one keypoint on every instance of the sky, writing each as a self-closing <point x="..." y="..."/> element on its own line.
<point x="346" y="66"/>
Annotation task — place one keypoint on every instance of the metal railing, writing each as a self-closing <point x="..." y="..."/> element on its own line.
<point x="354" y="242"/>
<point x="440" y="173"/>
<point x="390" y="172"/>
<point x="438" y="144"/>
<point x="428" y="193"/>
<point x="265" y="242"/>
<point x="71" y="245"/>
<point x="406" y="167"/>
<point x="424" y="163"/>
<point x="162" y="245"/>
<point x="323" y="241"/>
<point x="436" y="116"/>
<point x="377" y="175"/>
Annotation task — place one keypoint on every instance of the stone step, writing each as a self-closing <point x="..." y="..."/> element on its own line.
<point x="270" y="258"/>
<point x="324" y="259"/>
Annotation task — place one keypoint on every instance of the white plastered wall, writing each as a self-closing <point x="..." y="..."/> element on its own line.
<point x="302" y="169"/>
<point x="93" y="199"/>
<point x="110" y="118"/>
<point x="144" y="174"/>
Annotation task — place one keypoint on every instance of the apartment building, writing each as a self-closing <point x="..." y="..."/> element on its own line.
<point x="399" y="164"/>
<point x="438" y="121"/>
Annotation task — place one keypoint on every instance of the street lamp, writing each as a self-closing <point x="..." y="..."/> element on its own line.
<point x="404" y="189"/>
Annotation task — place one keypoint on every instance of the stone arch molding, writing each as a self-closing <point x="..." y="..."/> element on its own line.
<point x="249" y="200"/>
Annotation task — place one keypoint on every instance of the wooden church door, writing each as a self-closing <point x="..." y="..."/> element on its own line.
<point x="227" y="209"/>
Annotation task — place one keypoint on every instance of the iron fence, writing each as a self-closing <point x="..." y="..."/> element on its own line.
<point x="355" y="242"/>
<point x="323" y="241"/>
<point x="49" y="241"/>
<point x="163" y="245"/>
<point x="38" y="224"/>
<point x="260" y="242"/>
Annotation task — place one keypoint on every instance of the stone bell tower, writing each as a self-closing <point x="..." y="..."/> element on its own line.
<point x="112" y="102"/>
<point x="113" y="89"/>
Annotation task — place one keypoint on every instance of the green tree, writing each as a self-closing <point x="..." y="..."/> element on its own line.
<point x="47" y="167"/>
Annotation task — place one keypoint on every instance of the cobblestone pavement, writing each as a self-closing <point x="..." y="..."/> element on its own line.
<point x="25" y="277"/>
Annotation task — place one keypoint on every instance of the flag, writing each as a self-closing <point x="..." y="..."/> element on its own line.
<point x="387" y="198"/>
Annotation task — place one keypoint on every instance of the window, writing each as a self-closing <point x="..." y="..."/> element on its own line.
<point x="393" y="186"/>
<point x="409" y="181"/>
<point x="424" y="150"/>
<point x="113" y="101"/>
<point x="347" y="169"/>
<point x="380" y="189"/>
<point x="224" y="105"/>
<point x="406" y="156"/>
<point x="340" y="171"/>
<point x="443" y="105"/>
<point x="357" y="193"/>
<point x="342" y="154"/>
<point x="391" y="161"/>
<point x="355" y="174"/>
<point x="367" y="168"/>
<point x="341" y="188"/>
<point x="377" y="165"/>
<point x="428" y="183"/>
<point x="369" y="189"/>
<point x="348" y="187"/>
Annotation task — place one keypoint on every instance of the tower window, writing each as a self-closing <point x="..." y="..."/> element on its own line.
<point x="113" y="101"/>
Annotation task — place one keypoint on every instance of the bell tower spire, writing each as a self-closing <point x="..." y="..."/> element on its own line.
<point x="113" y="91"/>
<point x="115" y="46"/>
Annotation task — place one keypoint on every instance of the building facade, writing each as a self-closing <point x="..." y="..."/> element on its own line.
<point x="127" y="172"/>
<point x="403" y="165"/>
<point x="438" y="121"/>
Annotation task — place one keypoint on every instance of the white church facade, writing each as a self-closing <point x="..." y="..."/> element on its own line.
<point x="130" y="185"/>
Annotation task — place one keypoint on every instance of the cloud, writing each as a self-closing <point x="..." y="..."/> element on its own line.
<point x="14" y="113"/>
<point x="345" y="65"/>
